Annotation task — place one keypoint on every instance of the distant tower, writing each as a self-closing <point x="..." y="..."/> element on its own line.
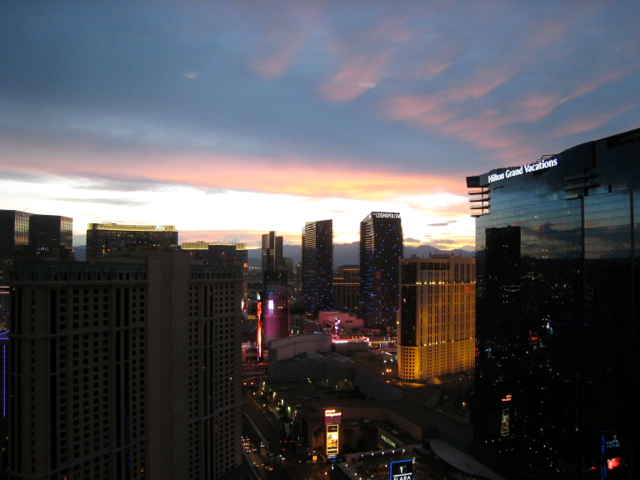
<point x="317" y="266"/>
<point x="381" y="248"/>
<point x="346" y="288"/>
<point x="274" y="320"/>
<point x="271" y="252"/>
<point x="275" y="307"/>
<point x="436" y="332"/>
<point x="14" y="235"/>
<point x="51" y="236"/>
<point x="104" y="238"/>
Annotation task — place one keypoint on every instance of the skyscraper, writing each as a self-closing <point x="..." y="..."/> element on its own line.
<point x="557" y="311"/>
<point x="105" y="238"/>
<point x="272" y="252"/>
<point x="51" y="236"/>
<point x="274" y="317"/>
<point x="317" y="266"/>
<point x="436" y="332"/>
<point x="125" y="367"/>
<point x="25" y="236"/>
<point x="14" y="236"/>
<point x="381" y="247"/>
<point x="28" y="236"/>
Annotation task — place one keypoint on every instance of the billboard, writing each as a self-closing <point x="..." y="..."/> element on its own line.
<point x="401" y="470"/>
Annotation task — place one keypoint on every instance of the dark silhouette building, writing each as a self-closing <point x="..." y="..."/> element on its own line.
<point x="381" y="248"/>
<point x="28" y="236"/>
<point x="317" y="266"/>
<point x="125" y="367"/>
<point x="14" y="235"/>
<point x="51" y="236"/>
<point x="557" y="312"/>
<point x="274" y="314"/>
<point x="105" y="238"/>
<point x="272" y="252"/>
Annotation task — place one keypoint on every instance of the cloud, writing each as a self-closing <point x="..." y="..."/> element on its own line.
<point x="117" y="202"/>
<point x="442" y="241"/>
<point x="362" y="55"/>
<point x="441" y="224"/>
<point x="190" y="75"/>
<point x="411" y="240"/>
<point x="283" y="31"/>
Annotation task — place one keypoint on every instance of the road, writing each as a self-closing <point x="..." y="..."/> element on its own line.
<point x="268" y="462"/>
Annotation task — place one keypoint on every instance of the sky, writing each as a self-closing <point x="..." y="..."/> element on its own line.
<point x="229" y="119"/>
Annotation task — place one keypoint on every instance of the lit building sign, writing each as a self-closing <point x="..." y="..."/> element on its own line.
<point x="610" y="452"/>
<point x="333" y="441"/>
<point x="504" y="421"/>
<point x="401" y="470"/>
<point x="259" y="339"/>
<point x="388" y="440"/>
<point x="332" y="419"/>
<point x="528" y="168"/>
<point x="332" y="416"/>
<point x="385" y="215"/>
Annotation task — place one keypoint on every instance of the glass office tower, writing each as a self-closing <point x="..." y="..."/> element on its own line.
<point x="317" y="266"/>
<point x="381" y="248"/>
<point x="558" y="286"/>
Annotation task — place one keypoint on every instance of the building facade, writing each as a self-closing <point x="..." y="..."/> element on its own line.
<point x="105" y="238"/>
<point x="28" y="236"/>
<point x="125" y="367"/>
<point x="223" y="254"/>
<point x="317" y="266"/>
<point x="51" y="237"/>
<point x="381" y="246"/>
<point x="437" y="316"/>
<point x="14" y="235"/>
<point x="346" y="288"/>
<point x="275" y="315"/>
<point x="272" y="252"/>
<point x="557" y="314"/>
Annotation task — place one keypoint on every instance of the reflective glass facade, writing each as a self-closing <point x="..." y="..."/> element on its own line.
<point x="381" y="248"/>
<point x="14" y="234"/>
<point x="557" y="261"/>
<point x="317" y="266"/>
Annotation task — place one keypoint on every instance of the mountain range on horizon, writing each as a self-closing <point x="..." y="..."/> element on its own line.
<point x="343" y="253"/>
<point x="349" y="253"/>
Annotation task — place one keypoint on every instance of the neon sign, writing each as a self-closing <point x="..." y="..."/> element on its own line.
<point x="385" y="215"/>
<point x="333" y="441"/>
<point x="401" y="470"/>
<point x="332" y="415"/>
<point x="527" y="168"/>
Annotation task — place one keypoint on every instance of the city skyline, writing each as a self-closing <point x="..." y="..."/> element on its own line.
<point x="209" y="117"/>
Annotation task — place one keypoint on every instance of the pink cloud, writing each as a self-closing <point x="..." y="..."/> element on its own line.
<point x="359" y="75"/>
<point x="363" y="57"/>
<point x="283" y="38"/>
<point x="590" y="122"/>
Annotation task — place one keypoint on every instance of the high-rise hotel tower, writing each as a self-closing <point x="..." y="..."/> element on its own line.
<point x="317" y="266"/>
<point x="381" y="248"/>
<point x="437" y="321"/>
<point x="558" y="264"/>
<point x="124" y="368"/>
